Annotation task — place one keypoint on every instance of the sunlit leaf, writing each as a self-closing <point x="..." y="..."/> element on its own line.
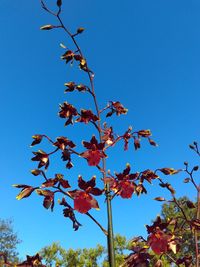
<point x="26" y="192"/>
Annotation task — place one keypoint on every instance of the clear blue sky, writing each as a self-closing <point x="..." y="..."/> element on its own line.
<point x="145" y="54"/>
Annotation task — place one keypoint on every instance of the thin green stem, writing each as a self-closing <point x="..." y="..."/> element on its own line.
<point x="110" y="239"/>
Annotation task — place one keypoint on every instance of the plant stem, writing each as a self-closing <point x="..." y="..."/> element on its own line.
<point x="110" y="237"/>
<point x="196" y="231"/>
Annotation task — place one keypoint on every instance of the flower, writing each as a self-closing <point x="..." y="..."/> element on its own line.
<point x="119" y="108"/>
<point x="67" y="111"/>
<point x="94" y="153"/>
<point x="124" y="188"/>
<point x="86" y="116"/>
<point x="63" y="142"/>
<point x="42" y="157"/>
<point x="83" y="201"/>
<point x="160" y="242"/>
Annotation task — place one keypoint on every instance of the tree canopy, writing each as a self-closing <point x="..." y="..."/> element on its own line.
<point x="8" y="241"/>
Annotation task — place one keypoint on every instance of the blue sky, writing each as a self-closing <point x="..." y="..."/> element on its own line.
<point x="145" y="54"/>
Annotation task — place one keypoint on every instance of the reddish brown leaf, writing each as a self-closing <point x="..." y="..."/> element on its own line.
<point x="169" y="171"/>
<point x="26" y="192"/>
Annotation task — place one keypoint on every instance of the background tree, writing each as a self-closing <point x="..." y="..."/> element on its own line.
<point x="55" y="254"/>
<point x="170" y="210"/>
<point x="8" y="241"/>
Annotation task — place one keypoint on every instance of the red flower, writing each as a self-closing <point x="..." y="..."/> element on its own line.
<point x="124" y="188"/>
<point x="94" y="153"/>
<point x="119" y="108"/>
<point x="89" y="186"/>
<point x="123" y="184"/>
<point x="83" y="201"/>
<point x="93" y="156"/>
<point x="68" y="56"/>
<point x="63" y="142"/>
<point x="71" y="86"/>
<point x="86" y="116"/>
<point x="42" y="157"/>
<point x="67" y="111"/>
<point x="161" y="242"/>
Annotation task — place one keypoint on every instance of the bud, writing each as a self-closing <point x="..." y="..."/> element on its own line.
<point x="80" y="30"/>
<point x="191" y="146"/>
<point x="186" y="163"/>
<point x="36" y="172"/>
<point x="59" y="3"/>
<point x="159" y="199"/>
<point x="47" y="27"/>
<point x="195" y="168"/>
<point x="186" y="180"/>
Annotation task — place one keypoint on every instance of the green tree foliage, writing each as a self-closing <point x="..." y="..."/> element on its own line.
<point x="55" y="255"/>
<point x="8" y="242"/>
